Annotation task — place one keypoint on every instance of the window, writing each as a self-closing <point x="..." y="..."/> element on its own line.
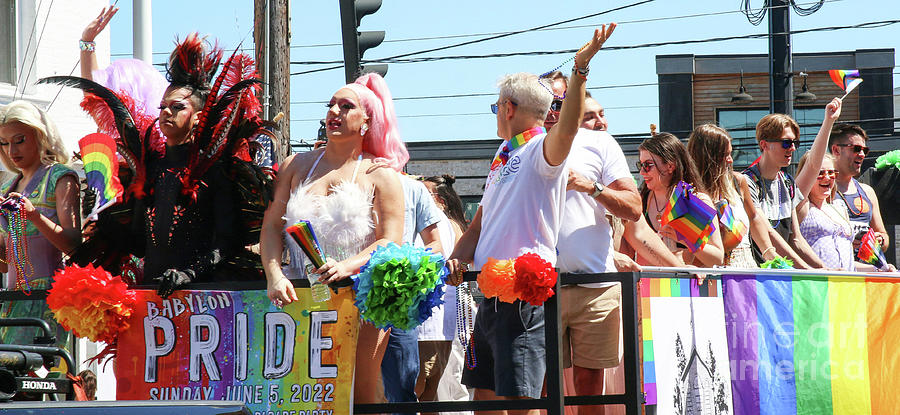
<point x="741" y="124"/>
<point x="7" y="41"/>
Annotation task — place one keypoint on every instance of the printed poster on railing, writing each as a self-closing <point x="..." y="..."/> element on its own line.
<point x="235" y="345"/>
<point x="686" y="365"/>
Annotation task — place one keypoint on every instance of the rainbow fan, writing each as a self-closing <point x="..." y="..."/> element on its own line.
<point x="101" y="169"/>
<point x="733" y="230"/>
<point x="870" y="251"/>
<point x="302" y="233"/>
<point x="691" y="218"/>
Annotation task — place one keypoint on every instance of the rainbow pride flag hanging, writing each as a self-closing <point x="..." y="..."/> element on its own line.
<point x="733" y="230"/>
<point x="813" y="345"/>
<point x="870" y="251"/>
<point x="847" y="80"/>
<point x="691" y="218"/>
<point x="101" y="169"/>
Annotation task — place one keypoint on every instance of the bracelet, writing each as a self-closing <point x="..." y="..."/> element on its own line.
<point x="767" y="250"/>
<point x="86" y="46"/>
<point x="581" y="72"/>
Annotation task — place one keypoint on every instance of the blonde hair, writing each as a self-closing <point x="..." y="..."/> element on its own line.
<point x="49" y="143"/>
<point x="708" y="146"/>
<point x="802" y="163"/>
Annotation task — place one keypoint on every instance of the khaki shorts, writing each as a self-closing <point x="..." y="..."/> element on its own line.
<point x="591" y="318"/>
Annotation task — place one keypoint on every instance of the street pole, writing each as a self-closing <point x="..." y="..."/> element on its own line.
<point x="781" y="84"/>
<point x="272" y="38"/>
<point x="142" y="20"/>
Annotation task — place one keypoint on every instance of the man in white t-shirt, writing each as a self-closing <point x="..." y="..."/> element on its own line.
<point x="599" y="183"/>
<point x="521" y="211"/>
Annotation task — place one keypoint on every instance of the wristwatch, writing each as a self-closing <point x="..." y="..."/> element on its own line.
<point x="598" y="188"/>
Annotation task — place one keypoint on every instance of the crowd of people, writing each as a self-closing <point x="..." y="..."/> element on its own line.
<point x="559" y="187"/>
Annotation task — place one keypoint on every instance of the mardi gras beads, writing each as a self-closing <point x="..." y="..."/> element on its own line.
<point x="17" y="248"/>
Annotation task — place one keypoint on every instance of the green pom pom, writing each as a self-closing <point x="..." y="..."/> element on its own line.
<point x="778" y="262"/>
<point x="887" y="160"/>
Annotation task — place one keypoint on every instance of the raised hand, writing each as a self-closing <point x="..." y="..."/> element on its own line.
<point x="833" y="109"/>
<point x="601" y="35"/>
<point x="98" y="24"/>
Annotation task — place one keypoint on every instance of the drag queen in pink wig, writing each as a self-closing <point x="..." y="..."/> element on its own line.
<point x="350" y="192"/>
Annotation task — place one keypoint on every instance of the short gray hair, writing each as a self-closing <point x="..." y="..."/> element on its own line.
<point x="528" y="92"/>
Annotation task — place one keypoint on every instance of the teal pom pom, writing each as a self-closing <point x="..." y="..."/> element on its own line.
<point x="399" y="286"/>
<point x="778" y="262"/>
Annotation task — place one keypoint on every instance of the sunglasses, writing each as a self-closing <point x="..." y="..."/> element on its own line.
<point x="496" y="107"/>
<point x="856" y="148"/>
<point x="785" y="144"/>
<point x="825" y="173"/>
<point x="556" y="105"/>
<point x="644" y="165"/>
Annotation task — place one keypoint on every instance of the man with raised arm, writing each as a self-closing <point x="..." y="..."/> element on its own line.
<point x="521" y="211"/>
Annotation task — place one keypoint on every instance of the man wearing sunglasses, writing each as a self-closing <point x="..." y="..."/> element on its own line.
<point x="848" y="145"/>
<point x="521" y="211"/>
<point x="775" y="193"/>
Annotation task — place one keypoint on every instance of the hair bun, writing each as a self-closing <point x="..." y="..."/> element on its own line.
<point x="449" y="179"/>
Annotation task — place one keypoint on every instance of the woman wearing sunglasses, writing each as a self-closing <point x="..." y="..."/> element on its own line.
<point x="710" y="148"/>
<point x="663" y="163"/>
<point x="826" y="225"/>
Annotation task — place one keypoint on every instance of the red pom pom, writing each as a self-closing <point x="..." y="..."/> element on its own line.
<point x="91" y="302"/>
<point x="535" y="279"/>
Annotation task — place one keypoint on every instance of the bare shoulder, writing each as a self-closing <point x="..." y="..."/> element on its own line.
<point x="868" y="189"/>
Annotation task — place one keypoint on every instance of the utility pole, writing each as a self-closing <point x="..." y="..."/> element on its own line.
<point x="272" y="38"/>
<point x="142" y="22"/>
<point x="781" y="83"/>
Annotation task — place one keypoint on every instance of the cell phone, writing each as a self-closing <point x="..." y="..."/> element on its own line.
<point x="11" y="204"/>
<point x="860" y="234"/>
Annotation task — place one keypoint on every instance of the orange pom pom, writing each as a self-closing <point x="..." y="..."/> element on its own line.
<point x="91" y="302"/>
<point x="497" y="279"/>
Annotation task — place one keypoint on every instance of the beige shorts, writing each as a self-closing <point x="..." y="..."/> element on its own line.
<point x="591" y="318"/>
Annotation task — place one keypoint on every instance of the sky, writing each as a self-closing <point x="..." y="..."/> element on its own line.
<point x="316" y="36"/>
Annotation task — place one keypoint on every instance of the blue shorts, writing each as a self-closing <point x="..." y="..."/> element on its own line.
<point x="510" y="356"/>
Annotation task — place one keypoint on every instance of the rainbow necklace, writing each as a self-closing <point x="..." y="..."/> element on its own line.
<point x="17" y="246"/>
<point x="518" y="141"/>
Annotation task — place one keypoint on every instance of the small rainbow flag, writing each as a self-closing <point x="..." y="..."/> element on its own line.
<point x="101" y="169"/>
<point x="847" y="80"/>
<point x="870" y="251"/>
<point x="303" y="234"/>
<point x="734" y="230"/>
<point x="691" y="218"/>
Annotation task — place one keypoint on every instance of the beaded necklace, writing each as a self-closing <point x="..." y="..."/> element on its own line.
<point x="17" y="248"/>
<point x="465" y="322"/>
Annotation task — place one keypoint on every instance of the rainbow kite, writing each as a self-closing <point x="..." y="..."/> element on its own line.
<point x="846" y="80"/>
<point x="870" y="251"/>
<point x="101" y="169"/>
<point x="303" y="234"/>
<point x="734" y="230"/>
<point x="691" y="218"/>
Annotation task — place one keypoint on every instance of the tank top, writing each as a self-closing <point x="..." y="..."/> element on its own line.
<point x="859" y="206"/>
<point x="342" y="219"/>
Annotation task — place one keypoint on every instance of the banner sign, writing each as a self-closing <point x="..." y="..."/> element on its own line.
<point x="684" y="345"/>
<point x="813" y="345"/>
<point x="235" y="345"/>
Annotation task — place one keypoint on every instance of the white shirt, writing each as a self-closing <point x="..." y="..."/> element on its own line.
<point x="585" y="237"/>
<point x="522" y="205"/>
<point x="442" y="323"/>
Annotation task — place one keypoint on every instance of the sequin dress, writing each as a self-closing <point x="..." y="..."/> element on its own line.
<point x="830" y="237"/>
<point x="43" y="258"/>
<point x="342" y="220"/>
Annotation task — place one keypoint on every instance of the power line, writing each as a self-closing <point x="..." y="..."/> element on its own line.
<point x="866" y="25"/>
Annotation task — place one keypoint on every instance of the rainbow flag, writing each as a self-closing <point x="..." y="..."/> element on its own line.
<point x="101" y="169"/>
<point x="812" y="344"/>
<point x="847" y="80"/>
<point x="870" y="251"/>
<point x="302" y="233"/>
<point x="660" y="294"/>
<point x="691" y="218"/>
<point x="734" y="230"/>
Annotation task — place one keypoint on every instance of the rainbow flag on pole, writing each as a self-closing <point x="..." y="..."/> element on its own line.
<point x="847" y="80"/>
<point x="302" y="233"/>
<point x="812" y="344"/>
<point x="870" y="251"/>
<point x="733" y="229"/>
<point x="691" y="218"/>
<point x="101" y="169"/>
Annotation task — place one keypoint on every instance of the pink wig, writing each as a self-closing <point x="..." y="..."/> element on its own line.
<point x="383" y="138"/>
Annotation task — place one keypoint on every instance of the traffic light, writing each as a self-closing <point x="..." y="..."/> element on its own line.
<point x="355" y="42"/>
